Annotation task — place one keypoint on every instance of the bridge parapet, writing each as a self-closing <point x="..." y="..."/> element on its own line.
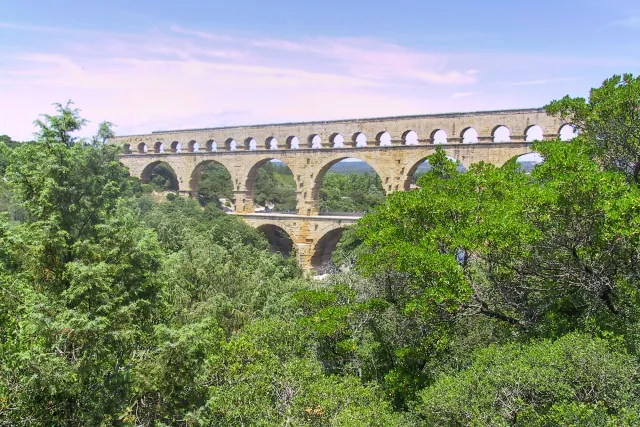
<point x="329" y="135"/>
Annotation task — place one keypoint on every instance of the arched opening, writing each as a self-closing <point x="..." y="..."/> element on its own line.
<point x="321" y="258"/>
<point x="534" y="133"/>
<point x="176" y="147"/>
<point x="273" y="186"/>
<point x="214" y="185"/>
<point x="279" y="240"/>
<point x="271" y="143"/>
<point x="469" y="136"/>
<point x="420" y="168"/>
<point x="337" y="140"/>
<point x="250" y="144"/>
<point x="439" y="136"/>
<point x="293" y="142"/>
<point x="126" y="148"/>
<point x="193" y="146"/>
<point x="527" y="162"/>
<point x="212" y="146"/>
<point x="501" y="134"/>
<point x="315" y="141"/>
<point x="384" y="139"/>
<point x="161" y="176"/>
<point x="231" y="144"/>
<point x="348" y="185"/>
<point x="360" y="140"/>
<point x="567" y="132"/>
<point x="158" y="147"/>
<point x="142" y="148"/>
<point x="410" y="137"/>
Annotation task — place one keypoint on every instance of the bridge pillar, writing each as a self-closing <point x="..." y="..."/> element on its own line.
<point x="304" y="253"/>
<point x="243" y="200"/>
<point x="307" y="206"/>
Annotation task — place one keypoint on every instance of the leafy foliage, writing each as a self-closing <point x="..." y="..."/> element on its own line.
<point x="354" y="192"/>
<point x="215" y="183"/>
<point x="575" y="380"/>
<point x="275" y="187"/>
<point x="609" y="121"/>
<point x="492" y="297"/>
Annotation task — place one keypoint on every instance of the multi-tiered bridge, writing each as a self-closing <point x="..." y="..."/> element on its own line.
<point x="394" y="147"/>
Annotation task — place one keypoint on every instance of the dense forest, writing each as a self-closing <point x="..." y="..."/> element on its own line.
<point x="491" y="297"/>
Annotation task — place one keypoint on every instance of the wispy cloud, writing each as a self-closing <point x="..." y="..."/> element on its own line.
<point x="180" y="77"/>
<point x="459" y="95"/>
<point x="631" y="21"/>
<point x="542" y="81"/>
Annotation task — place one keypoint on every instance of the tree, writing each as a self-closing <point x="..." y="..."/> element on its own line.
<point x="215" y="183"/>
<point x="354" y="192"/>
<point x="575" y="380"/>
<point x="77" y="275"/>
<point x="275" y="186"/>
<point x="609" y="121"/>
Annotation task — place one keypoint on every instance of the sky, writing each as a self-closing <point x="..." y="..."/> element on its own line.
<point x="148" y="65"/>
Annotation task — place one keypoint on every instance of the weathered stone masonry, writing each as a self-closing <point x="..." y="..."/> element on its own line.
<point x="243" y="150"/>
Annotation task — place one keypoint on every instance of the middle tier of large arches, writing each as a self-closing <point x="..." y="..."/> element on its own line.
<point x="394" y="166"/>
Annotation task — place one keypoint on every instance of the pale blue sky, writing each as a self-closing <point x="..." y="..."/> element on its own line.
<point x="149" y="65"/>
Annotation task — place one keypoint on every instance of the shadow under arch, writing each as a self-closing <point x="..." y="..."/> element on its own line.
<point x="348" y="167"/>
<point x="161" y="175"/>
<point x="282" y="196"/>
<point x="218" y="183"/>
<point x="422" y="166"/>
<point x="279" y="240"/>
<point x="324" y="247"/>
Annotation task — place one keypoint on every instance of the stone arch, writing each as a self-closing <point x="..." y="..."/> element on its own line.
<point x="501" y="133"/>
<point x="533" y="133"/>
<point x="567" y="132"/>
<point x="315" y="141"/>
<point x="252" y="174"/>
<point x="279" y="238"/>
<point x="416" y="165"/>
<point x="271" y="143"/>
<point x="147" y="172"/>
<point x="293" y="143"/>
<point x="319" y="174"/>
<point x="384" y="139"/>
<point x="158" y="147"/>
<point x="212" y="146"/>
<point x="410" y="137"/>
<point x="126" y="148"/>
<point x="469" y="135"/>
<point x="337" y="140"/>
<point x="142" y="148"/>
<point x="193" y="146"/>
<point x="250" y="144"/>
<point x="196" y="174"/>
<point x="324" y="247"/>
<point x="231" y="144"/>
<point x="176" y="147"/>
<point x="527" y="160"/>
<point x="439" y="136"/>
<point x="359" y="140"/>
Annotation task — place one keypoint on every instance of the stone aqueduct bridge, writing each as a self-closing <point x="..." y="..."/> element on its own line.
<point x="394" y="147"/>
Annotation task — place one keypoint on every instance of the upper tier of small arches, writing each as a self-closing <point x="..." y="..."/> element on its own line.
<point x="468" y="135"/>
